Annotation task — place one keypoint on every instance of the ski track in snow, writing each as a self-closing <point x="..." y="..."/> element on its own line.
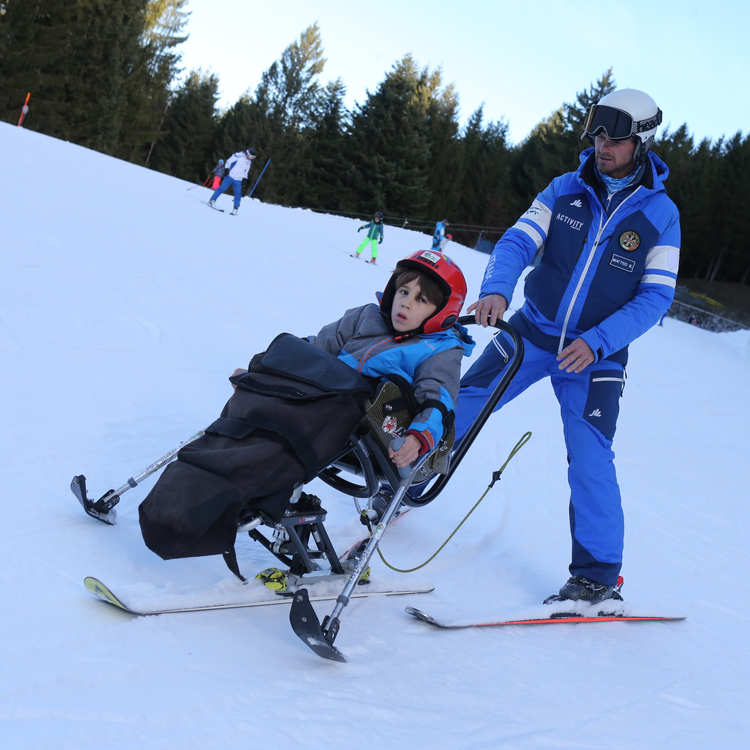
<point x="125" y="305"/>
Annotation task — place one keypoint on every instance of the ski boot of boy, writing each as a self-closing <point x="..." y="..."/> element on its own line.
<point x="580" y="589"/>
<point x="234" y="211"/>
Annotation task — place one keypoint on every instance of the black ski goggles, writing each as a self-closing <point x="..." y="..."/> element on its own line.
<point x="616" y="123"/>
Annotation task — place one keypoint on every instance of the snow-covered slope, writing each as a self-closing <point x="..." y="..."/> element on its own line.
<point x="124" y="305"/>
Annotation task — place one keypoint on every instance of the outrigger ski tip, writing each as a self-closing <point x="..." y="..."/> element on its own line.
<point x="103" y="509"/>
<point x="306" y="625"/>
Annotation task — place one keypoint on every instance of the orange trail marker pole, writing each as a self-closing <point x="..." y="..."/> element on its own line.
<point x="24" y="109"/>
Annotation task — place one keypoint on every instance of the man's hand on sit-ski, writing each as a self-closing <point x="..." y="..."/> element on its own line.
<point x="489" y="309"/>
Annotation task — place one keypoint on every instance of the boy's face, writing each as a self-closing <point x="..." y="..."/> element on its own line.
<point x="410" y="307"/>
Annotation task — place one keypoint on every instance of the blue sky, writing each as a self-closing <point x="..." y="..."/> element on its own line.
<point x="523" y="60"/>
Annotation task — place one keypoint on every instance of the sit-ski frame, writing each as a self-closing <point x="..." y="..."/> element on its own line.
<point x="299" y="525"/>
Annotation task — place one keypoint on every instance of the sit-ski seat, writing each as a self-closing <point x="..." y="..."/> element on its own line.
<point x="366" y="456"/>
<point x="300" y="537"/>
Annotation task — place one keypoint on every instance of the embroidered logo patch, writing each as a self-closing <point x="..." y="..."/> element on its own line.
<point x="390" y="427"/>
<point x="624" y="264"/>
<point x="630" y="241"/>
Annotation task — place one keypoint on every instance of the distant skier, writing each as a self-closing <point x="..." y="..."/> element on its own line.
<point x="218" y="172"/>
<point x="374" y="236"/>
<point x="237" y="166"/>
<point x="437" y="238"/>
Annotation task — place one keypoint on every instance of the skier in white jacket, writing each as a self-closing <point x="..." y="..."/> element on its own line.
<point x="238" y="167"/>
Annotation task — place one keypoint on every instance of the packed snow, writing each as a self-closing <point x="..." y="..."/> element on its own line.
<point x="125" y="304"/>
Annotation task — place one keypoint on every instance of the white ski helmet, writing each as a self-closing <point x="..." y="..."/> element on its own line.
<point x="622" y="114"/>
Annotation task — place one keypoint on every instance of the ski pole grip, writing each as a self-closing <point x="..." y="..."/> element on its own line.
<point x="404" y="471"/>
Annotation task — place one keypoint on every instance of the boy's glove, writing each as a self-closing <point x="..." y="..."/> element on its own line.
<point x="360" y="229"/>
<point x="380" y="239"/>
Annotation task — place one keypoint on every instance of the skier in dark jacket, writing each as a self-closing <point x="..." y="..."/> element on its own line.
<point x="610" y="238"/>
<point x="218" y="173"/>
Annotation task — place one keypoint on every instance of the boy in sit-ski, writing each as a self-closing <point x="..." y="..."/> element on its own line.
<point x="286" y="422"/>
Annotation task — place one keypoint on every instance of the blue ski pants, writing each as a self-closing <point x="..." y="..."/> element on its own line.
<point x="589" y="407"/>
<point x="236" y="185"/>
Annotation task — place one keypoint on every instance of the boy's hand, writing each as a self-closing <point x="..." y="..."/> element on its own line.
<point x="238" y="371"/>
<point x="407" y="453"/>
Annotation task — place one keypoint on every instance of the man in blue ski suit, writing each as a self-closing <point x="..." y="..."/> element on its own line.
<point x="609" y="239"/>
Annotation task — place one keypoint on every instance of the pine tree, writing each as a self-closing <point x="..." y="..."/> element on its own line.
<point x="330" y="177"/>
<point x="98" y="70"/>
<point x="185" y="150"/>
<point x="731" y="189"/>
<point x="289" y="92"/>
<point x="276" y="120"/>
<point x="98" y="88"/>
<point x="554" y="145"/>
<point x="150" y="78"/>
<point x="445" y="164"/>
<point x="389" y="146"/>
<point x="485" y="198"/>
<point x="36" y="57"/>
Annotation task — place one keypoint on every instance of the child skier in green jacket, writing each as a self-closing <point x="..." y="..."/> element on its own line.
<point x="374" y="236"/>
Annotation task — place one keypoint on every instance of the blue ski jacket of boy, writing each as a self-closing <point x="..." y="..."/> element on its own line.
<point x="430" y="362"/>
<point x="374" y="229"/>
<point x="606" y="274"/>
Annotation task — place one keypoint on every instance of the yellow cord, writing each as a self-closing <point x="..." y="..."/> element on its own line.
<point x="495" y="476"/>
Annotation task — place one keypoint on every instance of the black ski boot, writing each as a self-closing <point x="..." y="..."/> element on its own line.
<point x="583" y="589"/>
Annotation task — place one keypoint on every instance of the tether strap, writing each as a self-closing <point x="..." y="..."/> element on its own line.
<point x="495" y="476"/>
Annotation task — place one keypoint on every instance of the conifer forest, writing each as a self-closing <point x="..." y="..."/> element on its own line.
<point x="106" y="74"/>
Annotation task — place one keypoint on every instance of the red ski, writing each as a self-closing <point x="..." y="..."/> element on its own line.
<point x="574" y="614"/>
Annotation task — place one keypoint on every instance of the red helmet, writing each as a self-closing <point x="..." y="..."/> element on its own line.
<point x="448" y="276"/>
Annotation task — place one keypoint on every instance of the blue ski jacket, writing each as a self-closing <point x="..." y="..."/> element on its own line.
<point x="605" y="274"/>
<point x="430" y="362"/>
